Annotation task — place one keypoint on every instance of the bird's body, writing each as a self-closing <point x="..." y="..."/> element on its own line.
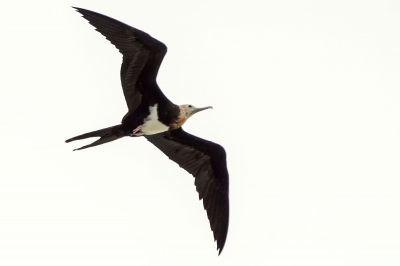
<point x="152" y="125"/>
<point x="152" y="115"/>
<point x="151" y="121"/>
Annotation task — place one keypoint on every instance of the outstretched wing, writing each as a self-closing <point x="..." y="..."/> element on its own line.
<point x="142" y="56"/>
<point x="206" y="161"/>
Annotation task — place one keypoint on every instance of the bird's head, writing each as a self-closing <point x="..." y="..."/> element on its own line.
<point x="188" y="110"/>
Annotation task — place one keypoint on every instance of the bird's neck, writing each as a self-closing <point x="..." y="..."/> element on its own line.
<point x="180" y="120"/>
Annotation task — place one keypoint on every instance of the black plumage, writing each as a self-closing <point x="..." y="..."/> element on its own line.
<point x="152" y="115"/>
<point x="206" y="161"/>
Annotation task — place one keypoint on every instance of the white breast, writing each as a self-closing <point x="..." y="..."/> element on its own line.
<point x="151" y="124"/>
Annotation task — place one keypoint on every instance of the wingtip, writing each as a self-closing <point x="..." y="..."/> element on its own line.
<point x="219" y="251"/>
<point x="80" y="10"/>
<point x="220" y="247"/>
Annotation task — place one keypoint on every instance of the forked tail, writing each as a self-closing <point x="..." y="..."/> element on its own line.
<point x="106" y="135"/>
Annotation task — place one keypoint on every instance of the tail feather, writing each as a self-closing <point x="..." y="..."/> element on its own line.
<point x="100" y="141"/>
<point x="96" y="133"/>
<point x="106" y="135"/>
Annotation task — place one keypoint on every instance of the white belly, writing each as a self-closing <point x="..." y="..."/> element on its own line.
<point x="151" y="124"/>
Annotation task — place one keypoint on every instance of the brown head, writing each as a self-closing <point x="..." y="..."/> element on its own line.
<point x="186" y="111"/>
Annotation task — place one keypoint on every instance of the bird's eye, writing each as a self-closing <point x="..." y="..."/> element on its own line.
<point x="190" y="106"/>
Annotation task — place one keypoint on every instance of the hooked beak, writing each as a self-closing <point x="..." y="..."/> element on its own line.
<point x="196" y="110"/>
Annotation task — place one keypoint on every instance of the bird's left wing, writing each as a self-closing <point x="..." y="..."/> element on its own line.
<point x="142" y="56"/>
<point x="206" y="161"/>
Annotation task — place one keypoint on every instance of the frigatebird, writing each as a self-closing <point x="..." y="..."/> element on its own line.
<point x="152" y="115"/>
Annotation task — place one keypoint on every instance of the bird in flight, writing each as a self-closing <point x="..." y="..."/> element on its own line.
<point x="152" y="115"/>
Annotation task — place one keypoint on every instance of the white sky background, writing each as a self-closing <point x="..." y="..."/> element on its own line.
<point x="306" y="98"/>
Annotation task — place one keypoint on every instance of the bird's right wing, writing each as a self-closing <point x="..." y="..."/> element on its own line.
<point x="206" y="161"/>
<point x="142" y="56"/>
